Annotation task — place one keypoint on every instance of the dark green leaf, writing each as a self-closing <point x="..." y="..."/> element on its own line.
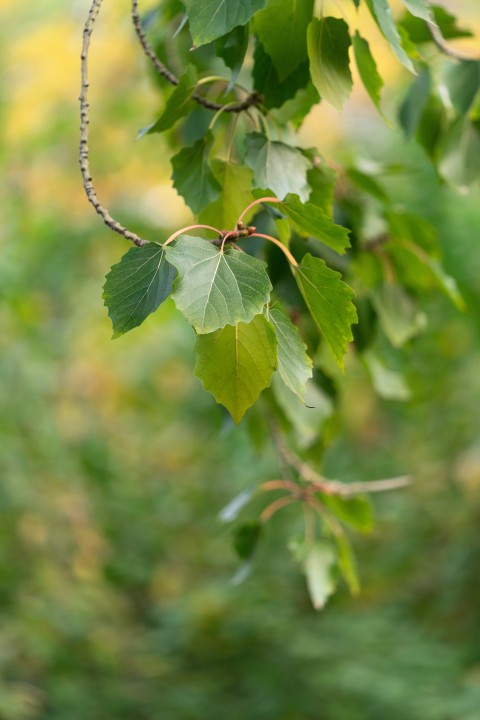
<point x="136" y="286"/>
<point x="246" y="539"/>
<point x="309" y="219"/>
<point x="277" y="167"/>
<point x="232" y="49"/>
<point x="216" y="288"/>
<point x="294" y="365"/>
<point x="319" y="565"/>
<point x="211" y="19"/>
<point x="192" y="176"/>
<point x="236" y="363"/>
<point x="236" y="194"/>
<point x="356" y="511"/>
<point x="329" y="300"/>
<point x="177" y="104"/>
<point x="281" y="28"/>
<point x="382" y="15"/>
<point x="267" y="83"/>
<point x="367" y="69"/>
<point x="328" y="42"/>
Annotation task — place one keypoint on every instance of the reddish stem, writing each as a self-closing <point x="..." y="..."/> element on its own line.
<point x="257" y="202"/>
<point x="286" y="252"/>
<point x="190" y="227"/>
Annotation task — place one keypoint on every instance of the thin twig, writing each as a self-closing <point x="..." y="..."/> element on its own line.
<point x="444" y="47"/>
<point x="84" y="123"/>
<point x="251" y="100"/>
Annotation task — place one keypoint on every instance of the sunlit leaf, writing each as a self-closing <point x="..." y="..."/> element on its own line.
<point x="319" y="565"/>
<point x="356" y="511"/>
<point x="347" y="564"/>
<point x="328" y="43"/>
<point x="211" y="19"/>
<point x="367" y="69"/>
<point x="419" y="8"/>
<point x="382" y="14"/>
<point x="177" y="104"/>
<point x="399" y="317"/>
<point x="236" y="193"/>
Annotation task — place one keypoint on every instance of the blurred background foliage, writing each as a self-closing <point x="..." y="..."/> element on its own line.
<point x="115" y="600"/>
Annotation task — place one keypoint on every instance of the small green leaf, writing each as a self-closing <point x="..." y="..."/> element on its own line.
<point x="216" y="288"/>
<point x="382" y="14"/>
<point x="296" y="109"/>
<point x="236" y="363"/>
<point x="319" y="565"/>
<point x="230" y="512"/>
<point x="136" y="286"/>
<point x="329" y="301"/>
<point x="388" y="384"/>
<point x="277" y="167"/>
<point x="177" y="104"/>
<point x="367" y="69"/>
<point x="419" y="8"/>
<point x="192" y="176"/>
<point x="246" y="537"/>
<point x="311" y="220"/>
<point x="267" y="82"/>
<point x="294" y="365"/>
<point x="281" y="28"/>
<point x="232" y="49"/>
<point x="399" y="317"/>
<point x="328" y="42"/>
<point x="211" y="19"/>
<point x="347" y="564"/>
<point x="356" y="511"/>
<point x="236" y="194"/>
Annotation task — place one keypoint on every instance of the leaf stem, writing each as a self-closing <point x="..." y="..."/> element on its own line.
<point x="190" y="227"/>
<point x="274" y="507"/>
<point x="285" y="251"/>
<point x="257" y="202"/>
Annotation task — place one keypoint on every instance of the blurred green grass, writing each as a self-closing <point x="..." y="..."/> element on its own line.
<point x="115" y="598"/>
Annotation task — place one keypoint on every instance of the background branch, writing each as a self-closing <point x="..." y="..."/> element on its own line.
<point x="444" y="47"/>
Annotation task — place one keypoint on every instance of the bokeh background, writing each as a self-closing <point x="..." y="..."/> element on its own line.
<point x="115" y="600"/>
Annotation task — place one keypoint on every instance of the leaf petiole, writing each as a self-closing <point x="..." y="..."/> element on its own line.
<point x="189" y="227"/>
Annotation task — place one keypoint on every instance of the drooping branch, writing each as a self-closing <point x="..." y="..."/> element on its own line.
<point x="84" y="125"/>
<point x="444" y="47"/>
<point x="251" y="100"/>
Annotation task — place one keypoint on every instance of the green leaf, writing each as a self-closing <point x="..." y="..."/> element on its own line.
<point x="308" y="416"/>
<point x="136" y="286"/>
<point x="418" y="31"/>
<point x="216" y="288"/>
<point x="382" y="15"/>
<point x="177" y="104"/>
<point x="367" y="69"/>
<point x="321" y="179"/>
<point x="329" y="301"/>
<point x="368" y="184"/>
<point x="267" y="82"/>
<point x="246" y="537"/>
<point x="319" y="565"/>
<point x="192" y="176"/>
<point x="415" y="102"/>
<point x="236" y="194"/>
<point x="356" y="511"/>
<point x="210" y="19"/>
<point x="236" y="363"/>
<point x="419" y="8"/>
<point x="347" y="564"/>
<point x="463" y="82"/>
<point x="297" y="108"/>
<point x="277" y="167"/>
<point x="232" y="49"/>
<point x="398" y="315"/>
<point x="281" y="28"/>
<point x="387" y="383"/>
<point x="309" y="219"/>
<point x="328" y="42"/>
<point x="294" y="365"/>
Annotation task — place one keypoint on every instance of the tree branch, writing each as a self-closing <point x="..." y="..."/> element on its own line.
<point x="251" y="100"/>
<point x="84" y="123"/>
<point x="444" y="47"/>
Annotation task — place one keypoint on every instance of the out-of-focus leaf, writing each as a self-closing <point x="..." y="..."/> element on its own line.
<point x="399" y="316"/>
<point x="382" y="14"/>
<point x="328" y="42"/>
<point x="231" y="511"/>
<point x="276" y="166"/>
<point x="415" y="101"/>
<point x="294" y="365"/>
<point x="192" y="176"/>
<point x="419" y="8"/>
<point x="347" y="564"/>
<point x="463" y="82"/>
<point x="318" y="566"/>
<point x="245" y="539"/>
<point x="136" y="286"/>
<point x="389" y="384"/>
<point x="211" y="19"/>
<point x="356" y="511"/>
<point x="418" y="31"/>
<point x="367" y="69"/>
<point x="309" y="219"/>
<point x="307" y="417"/>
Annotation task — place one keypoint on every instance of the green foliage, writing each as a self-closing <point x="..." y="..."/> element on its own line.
<point x="210" y="19"/>
<point x="328" y="44"/>
<point x="277" y="166"/>
<point x="192" y="176"/>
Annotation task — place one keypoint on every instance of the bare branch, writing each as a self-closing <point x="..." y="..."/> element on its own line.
<point x="84" y="123"/>
<point x="444" y="47"/>
<point x="250" y="101"/>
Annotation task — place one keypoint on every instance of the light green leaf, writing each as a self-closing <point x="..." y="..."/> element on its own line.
<point x="136" y="286"/>
<point x="282" y="28"/>
<point x="367" y="69"/>
<point x="329" y="301"/>
<point x="399" y="317"/>
<point x="418" y="31"/>
<point x="328" y="42"/>
<point x="382" y="14"/>
<point x="294" y="365"/>
<point x="236" y="363"/>
<point x="356" y="511"/>
<point x="307" y="417"/>
<point x="230" y="512"/>
<point x="210" y="19"/>
<point x="347" y="564"/>
<point x="309" y="219"/>
<point x="177" y="104"/>
<point x="236" y="194"/>
<point x="232" y="49"/>
<point x="277" y="167"/>
<point x="215" y="288"/>
<point x="192" y="176"/>
<point x="319" y="565"/>
<point x="389" y="384"/>
<point x="419" y="8"/>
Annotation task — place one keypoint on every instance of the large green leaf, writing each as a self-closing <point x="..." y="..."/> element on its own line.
<point x="210" y="19"/>
<point x="177" y="104"/>
<point x="329" y="300"/>
<point x="367" y="69"/>
<point x="236" y="363"/>
<point x="277" y="167"/>
<point x="319" y="565"/>
<point x="328" y="42"/>
<point x="216" y="288"/>
<point x="267" y="82"/>
<point x="232" y="49"/>
<point x="192" y="176"/>
<point x="282" y="28"/>
<point x="236" y="194"/>
<point x="136" y="286"/>
<point x="309" y="219"/>
<point x="382" y="14"/>
<point x="294" y="365"/>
